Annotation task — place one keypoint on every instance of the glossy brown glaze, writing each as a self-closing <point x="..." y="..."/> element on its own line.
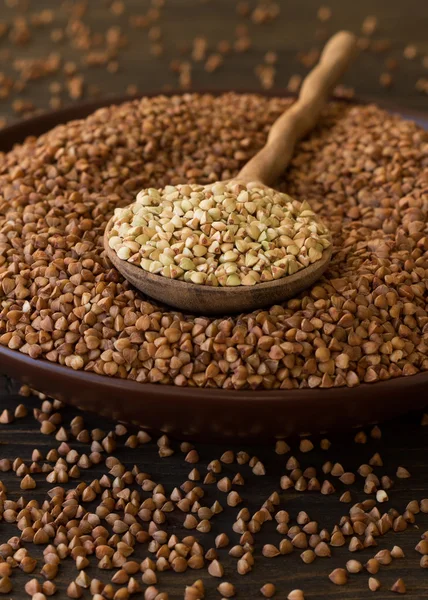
<point x="210" y="414"/>
<point x="207" y="414"/>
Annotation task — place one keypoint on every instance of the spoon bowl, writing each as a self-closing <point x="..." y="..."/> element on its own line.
<point x="262" y="170"/>
<point x="190" y="297"/>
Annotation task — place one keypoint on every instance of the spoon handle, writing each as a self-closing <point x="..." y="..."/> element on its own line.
<point x="268" y="164"/>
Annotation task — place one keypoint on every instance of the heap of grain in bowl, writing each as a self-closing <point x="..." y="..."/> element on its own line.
<point x="363" y="171"/>
<point x="224" y="234"/>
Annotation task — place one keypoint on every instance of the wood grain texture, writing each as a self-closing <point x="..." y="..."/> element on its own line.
<point x="293" y="31"/>
<point x="204" y="299"/>
<point x="403" y="442"/>
<point x="298" y="120"/>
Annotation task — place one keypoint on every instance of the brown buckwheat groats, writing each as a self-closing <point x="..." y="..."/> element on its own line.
<point x="363" y="171"/>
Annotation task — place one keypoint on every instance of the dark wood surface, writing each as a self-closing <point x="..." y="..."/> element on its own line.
<point x="404" y="442"/>
<point x="295" y="30"/>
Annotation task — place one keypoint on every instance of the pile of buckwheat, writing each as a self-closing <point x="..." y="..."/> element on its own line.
<point x="363" y="171"/>
<point x="225" y="234"/>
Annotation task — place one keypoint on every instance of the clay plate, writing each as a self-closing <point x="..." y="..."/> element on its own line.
<point x="207" y="414"/>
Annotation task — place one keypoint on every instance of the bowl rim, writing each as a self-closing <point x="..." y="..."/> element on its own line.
<point x="277" y="396"/>
<point x="37" y="125"/>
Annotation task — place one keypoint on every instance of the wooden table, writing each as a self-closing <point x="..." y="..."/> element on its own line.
<point x="404" y="442"/>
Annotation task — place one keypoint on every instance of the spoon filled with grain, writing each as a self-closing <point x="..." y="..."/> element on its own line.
<point x="236" y="245"/>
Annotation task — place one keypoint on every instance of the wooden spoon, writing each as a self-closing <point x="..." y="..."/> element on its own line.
<point x="263" y="169"/>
